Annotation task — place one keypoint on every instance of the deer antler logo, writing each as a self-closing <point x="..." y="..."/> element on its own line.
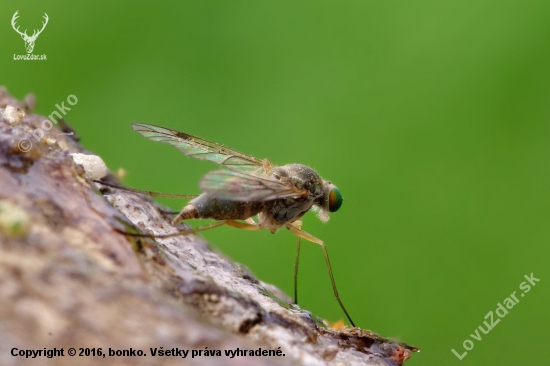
<point x="29" y="41"/>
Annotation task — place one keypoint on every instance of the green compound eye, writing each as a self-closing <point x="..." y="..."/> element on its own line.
<point x="335" y="199"/>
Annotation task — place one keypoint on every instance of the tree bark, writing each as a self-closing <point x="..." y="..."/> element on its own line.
<point x="71" y="278"/>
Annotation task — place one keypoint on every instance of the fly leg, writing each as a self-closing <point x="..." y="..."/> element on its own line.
<point x="302" y="234"/>
<point x="170" y="212"/>
<point x="233" y="223"/>
<point x="179" y="233"/>
<point x="147" y="193"/>
<point x="297" y="224"/>
<point x="150" y="194"/>
<point x="243" y="225"/>
<point x="267" y="167"/>
<point x="296" y="271"/>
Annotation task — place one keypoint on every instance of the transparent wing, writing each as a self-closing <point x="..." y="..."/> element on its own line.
<point x="198" y="148"/>
<point x="235" y="186"/>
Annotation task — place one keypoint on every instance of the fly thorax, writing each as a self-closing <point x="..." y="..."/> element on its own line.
<point x="289" y="209"/>
<point x="302" y="177"/>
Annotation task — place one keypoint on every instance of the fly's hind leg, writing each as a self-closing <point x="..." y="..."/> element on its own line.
<point x="302" y="234"/>
<point x="147" y="193"/>
<point x="243" y="225"/>
<point x="150" y="194"/>
<point x="179" y="233"/>
<point x="233" y="223"/>
<point x="168" y="212"/>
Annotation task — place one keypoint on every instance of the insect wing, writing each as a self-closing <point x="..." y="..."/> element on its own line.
<point x="235" y="186"/>
<point x="198" y="148"/>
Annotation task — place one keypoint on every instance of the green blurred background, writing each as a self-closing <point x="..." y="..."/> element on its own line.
<point x="432" y="117"/>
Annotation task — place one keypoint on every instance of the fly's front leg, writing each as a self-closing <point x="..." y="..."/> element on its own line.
<point x="266" y="165"/>
<point x="302" y="234"/>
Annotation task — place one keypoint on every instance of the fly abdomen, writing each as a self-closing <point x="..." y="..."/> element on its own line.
<point x="188" y="212"/>
<point x="206" y="206"/>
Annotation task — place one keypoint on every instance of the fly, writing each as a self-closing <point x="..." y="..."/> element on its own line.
<point x="247" y="187"/>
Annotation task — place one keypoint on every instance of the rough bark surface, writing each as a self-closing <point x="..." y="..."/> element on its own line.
<point x="70" y="278"/>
